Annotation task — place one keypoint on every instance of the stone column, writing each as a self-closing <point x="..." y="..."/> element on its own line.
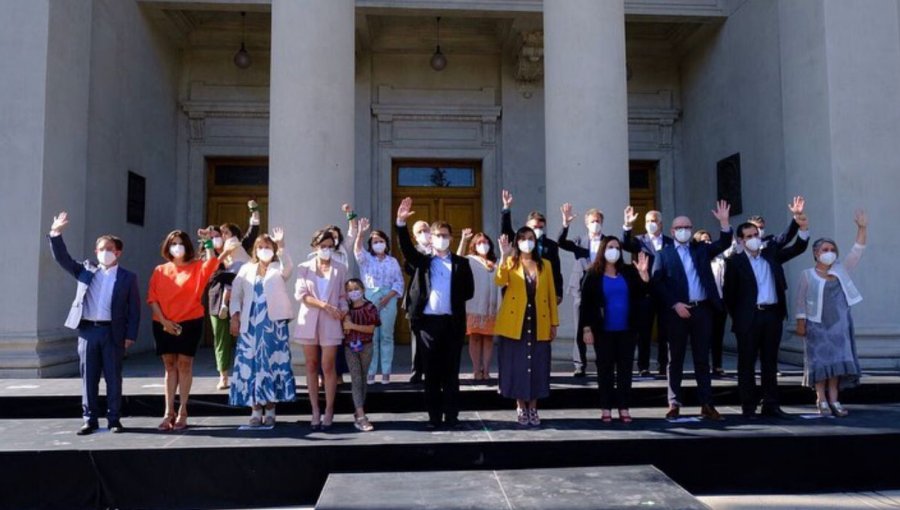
<point x="586" y="114"/>
<point x="840" y="65"/>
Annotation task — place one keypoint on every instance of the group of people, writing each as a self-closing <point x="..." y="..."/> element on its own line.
<point x="509" y="292"/>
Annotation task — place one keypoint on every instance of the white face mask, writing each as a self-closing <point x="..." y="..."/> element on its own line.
<point x="652" y="227"/>
<point x="265" y="254"/>
<point x="106" y="257"/>
<point x="827" y="257"/>
<point x="325" y="253"/>
<point x="355" y="295"/>
<point x="538" y="233"/>
<point x="440" y="243"/>
<point x="612" y="255"/>
<point x="379" y="247"/>
<point x="594" y="227"/>
<point x="753" y="244"/>
<point x="424" y="238"/>
<point x="218" y="243"/>
<point x="683" y="235"/>
<point x="482" y="248"/>
<point x="526" y="245"/>
<point x="176" y="251"/>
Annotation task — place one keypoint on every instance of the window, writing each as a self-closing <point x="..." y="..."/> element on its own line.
<point x="137" y="196"/>
<point x="436" y="177"/>
<point x="241" y="175"/>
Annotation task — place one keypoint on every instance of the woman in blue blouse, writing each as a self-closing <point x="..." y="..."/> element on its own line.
<point x="610" y="295"/>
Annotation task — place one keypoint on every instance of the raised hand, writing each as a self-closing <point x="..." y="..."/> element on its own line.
<point x="796" y="207"/>
<point x="364" y="224"/>
<point x="642" y="263"/>
<point x="861" y="218"/>
<point x="60" y="222"/>
<point x="507" y="199"/>
<point x="278" y="236"/>
<point x="405" y="210"/>
<point x="567" y="214"/>
<point x="504" y="244"/>
<point x="251" y="204"/>
<point x="203" y="233"/>
<point x="467" y="233"/>
<point x="722" y="212"/>
<point x="630" y="216"/>
<point x="346" y="208"/>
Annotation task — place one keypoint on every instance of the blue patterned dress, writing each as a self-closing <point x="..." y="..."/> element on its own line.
<point x="262" y="365"/>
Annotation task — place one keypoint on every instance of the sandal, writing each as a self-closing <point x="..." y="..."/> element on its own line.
<point x="533" y="419"/>
<point x="362" y="424"/>
<point x="838" y="409"/>
<point x="606" y="416"/>
<point x="180" y="422"/>
<point x="167" y="424"/>
<point x="269" y="420"/>
<point x="522" y="416"/>
<point x="256" y="418"/>
<point x="823" y="408"/>
<point x="625" y="415"/>
<point x="327" y="421"/>
<point x="315" y="423"/>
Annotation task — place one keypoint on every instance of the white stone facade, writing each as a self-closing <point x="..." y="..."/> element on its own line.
<point x="538" y="92"/>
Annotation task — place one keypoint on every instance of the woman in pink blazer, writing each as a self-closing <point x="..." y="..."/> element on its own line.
<point x="323" y="304"/>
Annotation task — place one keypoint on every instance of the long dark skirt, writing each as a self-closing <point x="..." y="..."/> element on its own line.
<point x="524" y="368"/>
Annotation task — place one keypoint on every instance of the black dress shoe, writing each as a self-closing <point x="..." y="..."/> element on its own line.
<point x="708" y="412"/>
<point x="452" y="423"/>
<point x="775" y="412"/>
<point x="87" y="429"/>
<point x="644" y="373"/>
<point x="749" y="414"/>
<point x="663" y="372"/>
<point x="416" y="378"/>
<point x="116" y="427"/>
<point x="432" y="425"/>
<point x="673" y="412"/>
<point x="579" y="372"/>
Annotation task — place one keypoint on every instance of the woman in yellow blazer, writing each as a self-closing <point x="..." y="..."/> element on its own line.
<point x="526" y="324"/>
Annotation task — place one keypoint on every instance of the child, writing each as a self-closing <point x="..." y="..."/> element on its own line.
<point x="359" y="327"/>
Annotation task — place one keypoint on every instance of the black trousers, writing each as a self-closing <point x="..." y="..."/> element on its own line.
<point x="615" y="354"/>
<point x="440" y="340"/>
<point x="416" y="369"/>
<point x="698" y="330"/>
<point x="762" y="340"/>
<point x="718" y="337"/>
<point x="648" y="313"/>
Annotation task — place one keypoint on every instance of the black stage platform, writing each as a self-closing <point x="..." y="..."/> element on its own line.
<point x="43" y="464"/>
<point x="526" y="489"/>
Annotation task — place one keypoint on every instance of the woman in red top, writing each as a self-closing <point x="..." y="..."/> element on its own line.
<point x="174" y="297"/>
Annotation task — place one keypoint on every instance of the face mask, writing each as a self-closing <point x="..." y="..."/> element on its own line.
<point x="526" y="245"/>
<point x="683" y="235"/>
<point x="753" y="243"/>
<point x="325" y="253"/>
<point x="265" y="254"/>
<point x="652" y="227"/>
<point x="106" y="257"/>
<point x="827" y="257"/>
<point x="423" y="238"/>
<point x="440" y="243"/>
<point x="762" y="232"/>
<point x="612" y="255"/>
<point x="176" y="251"/>
<point x="378" y="247"/>
<point x="482" y="248"/>
<point x="594" y="227"/>
<point x="218" y="243"/>
<point x="355" y="295"/>
<point x="538" y="233"/>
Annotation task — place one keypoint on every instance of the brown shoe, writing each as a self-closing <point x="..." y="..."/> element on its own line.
<point x="708" y="412"/>
<point x="673" y="412"/>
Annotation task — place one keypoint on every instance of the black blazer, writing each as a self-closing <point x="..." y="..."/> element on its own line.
<point x="593" y="301"/>
<point x="669" y="280"/>
<point x="125" y="308"/>
<point x="643" y="243"/>
<point x="781" y="240"/>
<point x="462" y="283"/>
<point x="548" y="248"/>
<point x="579" y="247"/>
<point x="740" y="290"/>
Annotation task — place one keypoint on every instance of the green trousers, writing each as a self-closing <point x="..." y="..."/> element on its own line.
<point x="223" y="343"/>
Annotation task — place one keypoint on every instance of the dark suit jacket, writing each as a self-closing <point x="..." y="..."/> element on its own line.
<point x="782" y="239"/>
<point x="462" y="284"/>
<point x="580" y="247"/>
<point x="548" y="247"/>
<point x="643" y="243"/>
<point x="593" y="301"/>
<point x="126" y="300"/>
<point x="670" y="281"/>
<point x="740" y="290"/>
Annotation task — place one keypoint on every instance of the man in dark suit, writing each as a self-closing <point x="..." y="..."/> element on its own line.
<point x="584" y="248"/>
<point x="106" y="313"/>
<point x="422" y="233"/>
<point x="548" y="248"/>
<point x="436" y="304"/>
<point x="684" y="282"/>
<point x="754" y="291"/>
<point x="650" y="244"/>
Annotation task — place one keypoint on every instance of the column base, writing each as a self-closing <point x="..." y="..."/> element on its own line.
<point x="46" y="354"/>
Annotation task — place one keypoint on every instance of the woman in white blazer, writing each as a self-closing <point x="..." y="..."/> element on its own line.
<point x="323" y="305"/>
<point x="260" y="311"/>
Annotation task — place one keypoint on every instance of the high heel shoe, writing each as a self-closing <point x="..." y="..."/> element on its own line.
<point x="838" y="409"/>
<point x="180" y="422"/>
<point x="606" y="416"/>
<point x="823" y="408"/>
<point x="327" y="421"/>
<point x="625" y="416"/>
<point x="167" y="424"/>
<point x="315" y="423"/>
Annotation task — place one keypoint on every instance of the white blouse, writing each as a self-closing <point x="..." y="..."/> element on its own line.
<point x="486" y="300"/>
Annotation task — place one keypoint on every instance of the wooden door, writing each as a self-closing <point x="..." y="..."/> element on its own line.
<point x="440" y="190"/>
<point x="642" y="184"/>
<point x="230" y="184"/>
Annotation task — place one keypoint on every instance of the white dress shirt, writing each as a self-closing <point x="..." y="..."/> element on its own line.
<point x="439" y="294"/>
<point x="98" y="301"/>
<point x="765" y="282"/>
<point x="695" y="289"/>
<point x="595" y="246"/>
<point x="657" y="241"/>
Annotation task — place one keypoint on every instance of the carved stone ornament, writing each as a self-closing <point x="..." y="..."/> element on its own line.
<point x="530" y="62"/>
